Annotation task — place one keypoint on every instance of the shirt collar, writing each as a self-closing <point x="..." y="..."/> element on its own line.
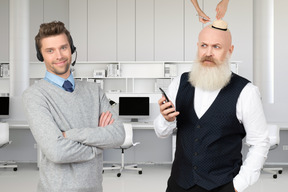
<point x="55" y="79"/>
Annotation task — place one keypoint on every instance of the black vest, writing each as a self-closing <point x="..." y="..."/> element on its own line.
<point x="208" y="150"/>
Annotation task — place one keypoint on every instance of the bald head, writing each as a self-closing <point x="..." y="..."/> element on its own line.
<point x="214" y="44"/>
<point x="210" y="33"/>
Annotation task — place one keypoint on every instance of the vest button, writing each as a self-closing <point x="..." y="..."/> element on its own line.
<point x="195" y="154"/>
<point x="198" y="126"/>
<point x="196" y="139"/>
<point x="195" y="167"/>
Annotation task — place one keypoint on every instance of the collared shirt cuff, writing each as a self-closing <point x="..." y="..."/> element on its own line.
<point x="162" y="127"/>
<point x="239" y="185"/>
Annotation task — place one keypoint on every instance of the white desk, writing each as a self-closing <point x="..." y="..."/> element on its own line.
<point x="18" y="124"/>
<point x="283" y="126"/>
<point x="144" y="133"/>
<point x="135" y="125"/>
<point x="142" y="125"/>
<point x="23" y="125"/>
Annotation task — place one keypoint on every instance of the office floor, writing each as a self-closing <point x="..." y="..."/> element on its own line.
<point x="153" y="179"/>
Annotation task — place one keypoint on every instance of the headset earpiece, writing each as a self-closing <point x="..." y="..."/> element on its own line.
<point x="38" y="53"/>
<point x="73" y="48"/>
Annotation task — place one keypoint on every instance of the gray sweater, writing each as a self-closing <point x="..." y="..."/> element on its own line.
<point x="74" y="163"/>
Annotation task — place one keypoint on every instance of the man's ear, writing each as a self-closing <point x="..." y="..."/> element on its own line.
<point x="231" y="49"/>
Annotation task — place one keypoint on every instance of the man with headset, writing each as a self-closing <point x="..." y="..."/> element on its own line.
<point x="71" y="121"/>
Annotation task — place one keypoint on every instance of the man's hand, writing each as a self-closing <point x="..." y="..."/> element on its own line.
<point x="168" y="112"/>
<point x="105" y="119"/>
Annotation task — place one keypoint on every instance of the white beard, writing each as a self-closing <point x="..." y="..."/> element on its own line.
<point x="210" y="78"/>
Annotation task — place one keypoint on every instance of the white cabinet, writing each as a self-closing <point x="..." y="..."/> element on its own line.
<point x="4" y="85"/>
<point x="78" y="27"/>
<point x="126" y="30"/>
<point x="169" y="30"/>
<point x="130" y="30"/>
<point x="4" y="30"/>
<point x="152" y="30"/>
<point x="4" y="77"/>
<point x="144" y="30"/>
<point x="56" y="10"/>
<point x="138" y="77"/>
<point x="133" y="77"/>
<point x="102" y="31"/>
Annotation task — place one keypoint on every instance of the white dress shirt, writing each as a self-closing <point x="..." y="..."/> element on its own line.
<point x="249" y="111"/>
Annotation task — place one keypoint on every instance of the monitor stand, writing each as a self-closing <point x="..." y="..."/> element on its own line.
<point x="134" y="120"/>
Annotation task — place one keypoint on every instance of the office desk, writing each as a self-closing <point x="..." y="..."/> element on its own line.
<point x="151" y="149"/>
<point x="283" y="126"/>
<point x="142" y="125"/>
<point x="18" y="124"/>
<point x="143" y="133"/>
<point x="135" y="125"/>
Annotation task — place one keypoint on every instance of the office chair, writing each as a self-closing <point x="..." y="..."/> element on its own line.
<point x="274" y="136"/>
<point x="128" y="142"/>
<point x="4" y="140"/>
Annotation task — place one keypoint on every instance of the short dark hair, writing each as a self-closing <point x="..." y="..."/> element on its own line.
<point x="51" y="29"/>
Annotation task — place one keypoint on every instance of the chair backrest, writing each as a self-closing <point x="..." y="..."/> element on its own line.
<point x="274" y="135"/>
<point x="4" y="133"/>
<point x="128" y="142"/>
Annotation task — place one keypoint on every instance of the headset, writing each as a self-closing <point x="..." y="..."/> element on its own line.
<point x="73" y="49"/>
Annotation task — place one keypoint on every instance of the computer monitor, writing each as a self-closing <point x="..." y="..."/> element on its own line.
<point x="4" y="107"/>
<point x="134" y="107"/>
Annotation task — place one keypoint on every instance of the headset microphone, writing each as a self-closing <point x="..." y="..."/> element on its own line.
<point x="75" y="58"/>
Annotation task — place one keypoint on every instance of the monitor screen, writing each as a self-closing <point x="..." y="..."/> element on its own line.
<point x="4" y="107"/>
<point x="134" y="107"/>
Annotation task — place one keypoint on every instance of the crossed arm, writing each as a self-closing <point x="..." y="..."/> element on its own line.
<point x="78" y="144"/>
<point x="104" y="120"/>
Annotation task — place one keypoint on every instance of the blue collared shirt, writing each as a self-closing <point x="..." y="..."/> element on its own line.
<point x="58" y="81"/>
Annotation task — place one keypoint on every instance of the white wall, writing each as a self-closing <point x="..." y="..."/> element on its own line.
<point x="277" y="111"/>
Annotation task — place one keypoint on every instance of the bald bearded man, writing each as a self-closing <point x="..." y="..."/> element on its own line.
<point x="212" y="110"/>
